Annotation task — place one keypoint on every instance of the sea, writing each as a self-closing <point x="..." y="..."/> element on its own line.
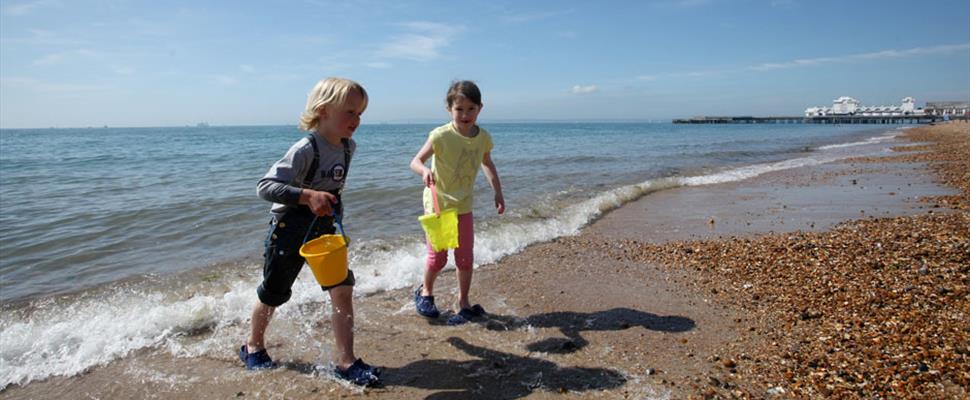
<point x="115" y="240"/>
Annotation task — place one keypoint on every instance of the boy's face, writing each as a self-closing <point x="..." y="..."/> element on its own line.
<point x="464" y="113"/>
<point x="342" y="120"/>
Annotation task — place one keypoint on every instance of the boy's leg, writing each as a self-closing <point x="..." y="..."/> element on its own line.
<point x="281" y="265"/>
<point x="342" y="317"/>
<point x="465" y="257"/>
<point x="262" y="314"/>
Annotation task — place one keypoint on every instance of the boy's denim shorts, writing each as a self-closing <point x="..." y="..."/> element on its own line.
<point x="282" y="261"/>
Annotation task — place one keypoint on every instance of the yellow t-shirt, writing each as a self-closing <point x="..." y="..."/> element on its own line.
<point x="455" y="165"/>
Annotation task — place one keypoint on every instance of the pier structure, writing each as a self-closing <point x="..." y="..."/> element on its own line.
<point x="847" y="110"/>
<point x="823" y="119"/>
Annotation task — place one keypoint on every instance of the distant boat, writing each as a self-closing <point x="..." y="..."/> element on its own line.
<point x="202" y="125"/>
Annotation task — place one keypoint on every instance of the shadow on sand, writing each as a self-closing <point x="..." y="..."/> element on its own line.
<point x="571" y="324"/>
<point x="497" y="375"/>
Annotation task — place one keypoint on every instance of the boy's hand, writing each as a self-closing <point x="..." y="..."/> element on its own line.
<point x="321" y="203"/>
<point x="499" y="203"/>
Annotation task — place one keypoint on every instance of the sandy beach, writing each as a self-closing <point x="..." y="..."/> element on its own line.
<point x="848" y="279"/>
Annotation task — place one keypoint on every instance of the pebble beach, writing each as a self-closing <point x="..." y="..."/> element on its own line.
<point x="841" y="280"/>
<point x="874" y="308"/>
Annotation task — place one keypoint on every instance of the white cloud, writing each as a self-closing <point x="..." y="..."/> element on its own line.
<point x="24" y="8"/>
<point x="808" y="62"/>
<point x="41" y="37"/>
<point x="50" y="59"/>
<point x="378" y="65"/>
<point x="226" y="79"/>
<point x="124" y="70"/>
<point x="694" y="74"/>
<point x="35" y="85"/>
<point x="249" y="69"/>
<point x="424" y="43"/>
<point x="57" y="58"/>
<point x="691" y="3"/>
<point x="584" y="89"/>
<point x="527" y="17"/>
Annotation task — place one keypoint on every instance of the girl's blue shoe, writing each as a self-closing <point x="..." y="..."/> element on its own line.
<point x="257" y="360"/>
<point x="425" y="304"/>
<point x="466" y="314"/>
<point x="359" y="373"/>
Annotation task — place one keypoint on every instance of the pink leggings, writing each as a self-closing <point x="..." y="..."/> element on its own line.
<point x="464" y="254"/>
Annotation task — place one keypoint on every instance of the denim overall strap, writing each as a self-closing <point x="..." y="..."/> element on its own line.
<point x="308" y="179"/>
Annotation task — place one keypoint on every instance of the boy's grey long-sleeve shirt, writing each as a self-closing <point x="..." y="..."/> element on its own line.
<point x="282" y="183"/>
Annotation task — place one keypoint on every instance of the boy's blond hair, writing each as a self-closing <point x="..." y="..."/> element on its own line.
<point x="327" y="91"/>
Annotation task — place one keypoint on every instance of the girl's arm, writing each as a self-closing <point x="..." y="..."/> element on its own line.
<point x="491" y="174"/>
<point x="417" y="164"/>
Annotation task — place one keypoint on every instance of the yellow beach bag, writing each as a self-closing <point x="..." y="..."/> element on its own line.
<point x="440" y="227"/>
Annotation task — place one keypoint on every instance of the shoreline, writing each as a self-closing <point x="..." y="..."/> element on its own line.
<point x="613" y="311"/>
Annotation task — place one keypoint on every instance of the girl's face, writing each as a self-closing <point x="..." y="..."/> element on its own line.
<point x="464" y="113"/>
<point x="341" y="120"/>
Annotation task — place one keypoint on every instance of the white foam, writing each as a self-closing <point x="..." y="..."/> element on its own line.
<point x="873" y="140"/>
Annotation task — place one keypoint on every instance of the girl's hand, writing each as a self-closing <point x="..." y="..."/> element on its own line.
<point x="427" y="177"/>
<point x="321" y="203"/>
<point x="499" y="203"/>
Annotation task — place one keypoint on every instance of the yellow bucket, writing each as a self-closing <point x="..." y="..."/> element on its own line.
<point x="327" y="257"/>
<point x="440" y="227"/>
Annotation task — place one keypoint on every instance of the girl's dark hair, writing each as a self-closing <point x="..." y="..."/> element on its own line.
<point x="466" y="89"/>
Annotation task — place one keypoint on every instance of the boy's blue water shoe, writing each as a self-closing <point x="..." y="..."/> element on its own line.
<point x="425" y="304"/>
<point x="257" y="360"/>
<point x="360" y="373"/>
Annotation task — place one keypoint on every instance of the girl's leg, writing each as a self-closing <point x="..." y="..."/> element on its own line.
<point x="465" y="257"/>
<point x="341" y="297"/>
<point x="464" y="284"/>
<point x="436" y="261"/>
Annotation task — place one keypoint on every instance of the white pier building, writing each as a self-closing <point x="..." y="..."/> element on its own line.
<point x="847" y="106"/>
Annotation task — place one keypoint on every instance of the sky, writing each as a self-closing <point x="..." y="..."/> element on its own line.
<point x="76" y="63"/>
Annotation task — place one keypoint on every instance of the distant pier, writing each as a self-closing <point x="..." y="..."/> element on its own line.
<point x="827" y="119"/>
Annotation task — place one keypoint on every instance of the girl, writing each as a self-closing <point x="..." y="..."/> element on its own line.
<point x="304" y="187"/>
<point x="457" y="149"/>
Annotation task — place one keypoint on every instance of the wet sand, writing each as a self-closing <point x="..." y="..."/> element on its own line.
<point x="846" y="279"/>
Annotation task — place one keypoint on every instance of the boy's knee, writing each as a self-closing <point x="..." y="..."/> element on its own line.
<point x="273" y="299"/>
<point x="348" y="282"/>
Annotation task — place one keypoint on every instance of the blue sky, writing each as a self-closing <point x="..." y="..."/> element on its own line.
<point x="69" y="63"/>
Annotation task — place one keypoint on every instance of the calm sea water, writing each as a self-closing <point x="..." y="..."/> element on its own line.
<point x="139" y="215"/>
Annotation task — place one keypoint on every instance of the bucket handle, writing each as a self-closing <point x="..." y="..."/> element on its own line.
<point x="337" y="217"/>
<point x="434" y="197"/>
